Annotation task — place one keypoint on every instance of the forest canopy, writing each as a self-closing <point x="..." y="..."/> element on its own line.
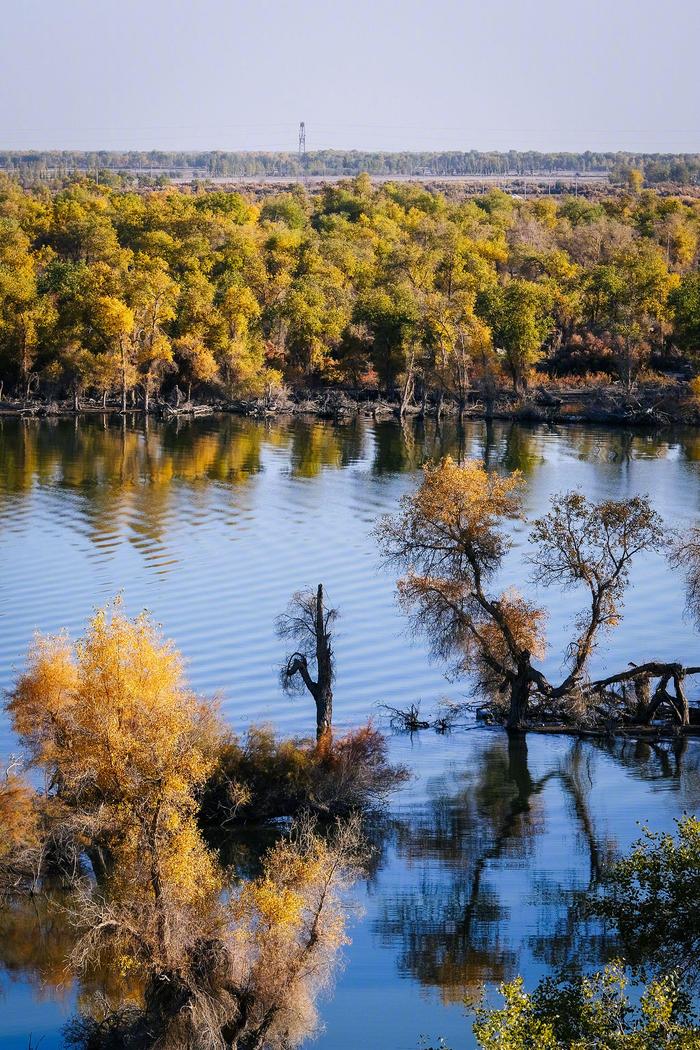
<point x="123" y="294"/>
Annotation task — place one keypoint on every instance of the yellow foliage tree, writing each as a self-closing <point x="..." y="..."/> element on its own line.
<point x="125" y="746"/>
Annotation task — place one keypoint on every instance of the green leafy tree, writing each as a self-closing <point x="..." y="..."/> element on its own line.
<point x="651" y="897"/>
<point x="685" y="305"/>
<point x="589" y="1013"/>
<point x="520" y="317"/>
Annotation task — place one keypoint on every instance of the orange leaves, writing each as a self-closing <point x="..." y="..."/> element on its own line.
<point x="296" y="896"/>
<point x="450" y="540"/>
<point x="114" y="706"/>
<point x="127" y="748"/>
<point x="42" y="703"/>
<point x="191" y="874"/>
<point x="18" y="816"/>
<point x="525" y="622"/>
<point x="270" y="904"/>
<point x="466" y="496"/>
<point x="450" y="526"/>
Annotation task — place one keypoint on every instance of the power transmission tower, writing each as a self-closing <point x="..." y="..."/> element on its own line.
<point x="302" y="142"/>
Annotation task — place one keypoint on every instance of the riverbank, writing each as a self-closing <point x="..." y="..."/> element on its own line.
<point x="651" y="405"/>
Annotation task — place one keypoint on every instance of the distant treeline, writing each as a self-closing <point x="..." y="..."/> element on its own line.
<point x="657" y="167"/>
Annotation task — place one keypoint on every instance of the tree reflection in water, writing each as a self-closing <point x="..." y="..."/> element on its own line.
<point x="148" y="482"/>
<point x="456" y="930"/>
<point x="37" y="936"/>
<point x="108" y="460"/>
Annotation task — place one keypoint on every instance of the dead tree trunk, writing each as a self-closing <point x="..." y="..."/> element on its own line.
<point x="324" y="660"/>
<point x="308" y="620"/>
<point x="648" y="704"/>
<point x="519" y="699"/>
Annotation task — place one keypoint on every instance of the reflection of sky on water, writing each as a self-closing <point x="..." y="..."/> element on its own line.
<point x="478" y="881"/>
<point x="213" y="524"/>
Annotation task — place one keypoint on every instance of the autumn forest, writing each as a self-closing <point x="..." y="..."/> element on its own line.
<point x="120" y="296"/>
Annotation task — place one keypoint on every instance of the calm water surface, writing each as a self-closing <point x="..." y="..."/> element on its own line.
<point x="211" y="525"/>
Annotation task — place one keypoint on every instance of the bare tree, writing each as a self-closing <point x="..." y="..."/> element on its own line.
<point x="308" y="623"/>
<point x="685" y="554"/>
<point x="592" y="544"/>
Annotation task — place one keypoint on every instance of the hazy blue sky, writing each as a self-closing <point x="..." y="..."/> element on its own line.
<point x="393" y="74"/>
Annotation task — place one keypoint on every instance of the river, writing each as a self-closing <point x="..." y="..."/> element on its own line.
<point x="211" y="525"/>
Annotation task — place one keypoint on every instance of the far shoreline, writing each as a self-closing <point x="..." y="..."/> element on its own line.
<point x="650" y="407"/>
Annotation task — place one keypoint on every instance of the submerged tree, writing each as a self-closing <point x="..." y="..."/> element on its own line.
<point x="242" y="970"/>
<point x="307" y="621"/>
<point x="124" y="745"/>
<point x="262" y="778"/>
<point x="449" y="538"/>
<point x="126" y="750"/>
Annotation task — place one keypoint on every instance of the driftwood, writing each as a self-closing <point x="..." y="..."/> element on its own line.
<point x="186" y="409"/>
<point x="648" y="704"/>
<point x="405" y="721"/>
<point x="409" y="720"/>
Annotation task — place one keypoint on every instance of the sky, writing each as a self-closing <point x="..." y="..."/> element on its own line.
<point x="366" y="74"/>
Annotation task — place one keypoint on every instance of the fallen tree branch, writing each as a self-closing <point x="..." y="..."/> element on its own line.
<point x="651" y="669"/>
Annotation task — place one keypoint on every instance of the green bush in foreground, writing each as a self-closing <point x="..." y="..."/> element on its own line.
<point x="589" y="1013"/>
<point x="652" y="898"/>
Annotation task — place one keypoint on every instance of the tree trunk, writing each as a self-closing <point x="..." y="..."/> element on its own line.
<point x="324" y="713"/>
<point x="324" y="659"/>
<point x="161" y="930"/>
<point x="642" y="695"/>
<point x="316" y="622"/>
<point x="681" y="705"/>
<point x="407" y="392"/>
<point x="122" y="354"/>
<point x="102" y="863"/>
<point x="440" y="404"/>
<point x="76" y="399"/>
<point x="519" y="699"/>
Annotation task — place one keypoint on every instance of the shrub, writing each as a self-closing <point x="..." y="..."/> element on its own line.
<point x="265" y="778"/>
